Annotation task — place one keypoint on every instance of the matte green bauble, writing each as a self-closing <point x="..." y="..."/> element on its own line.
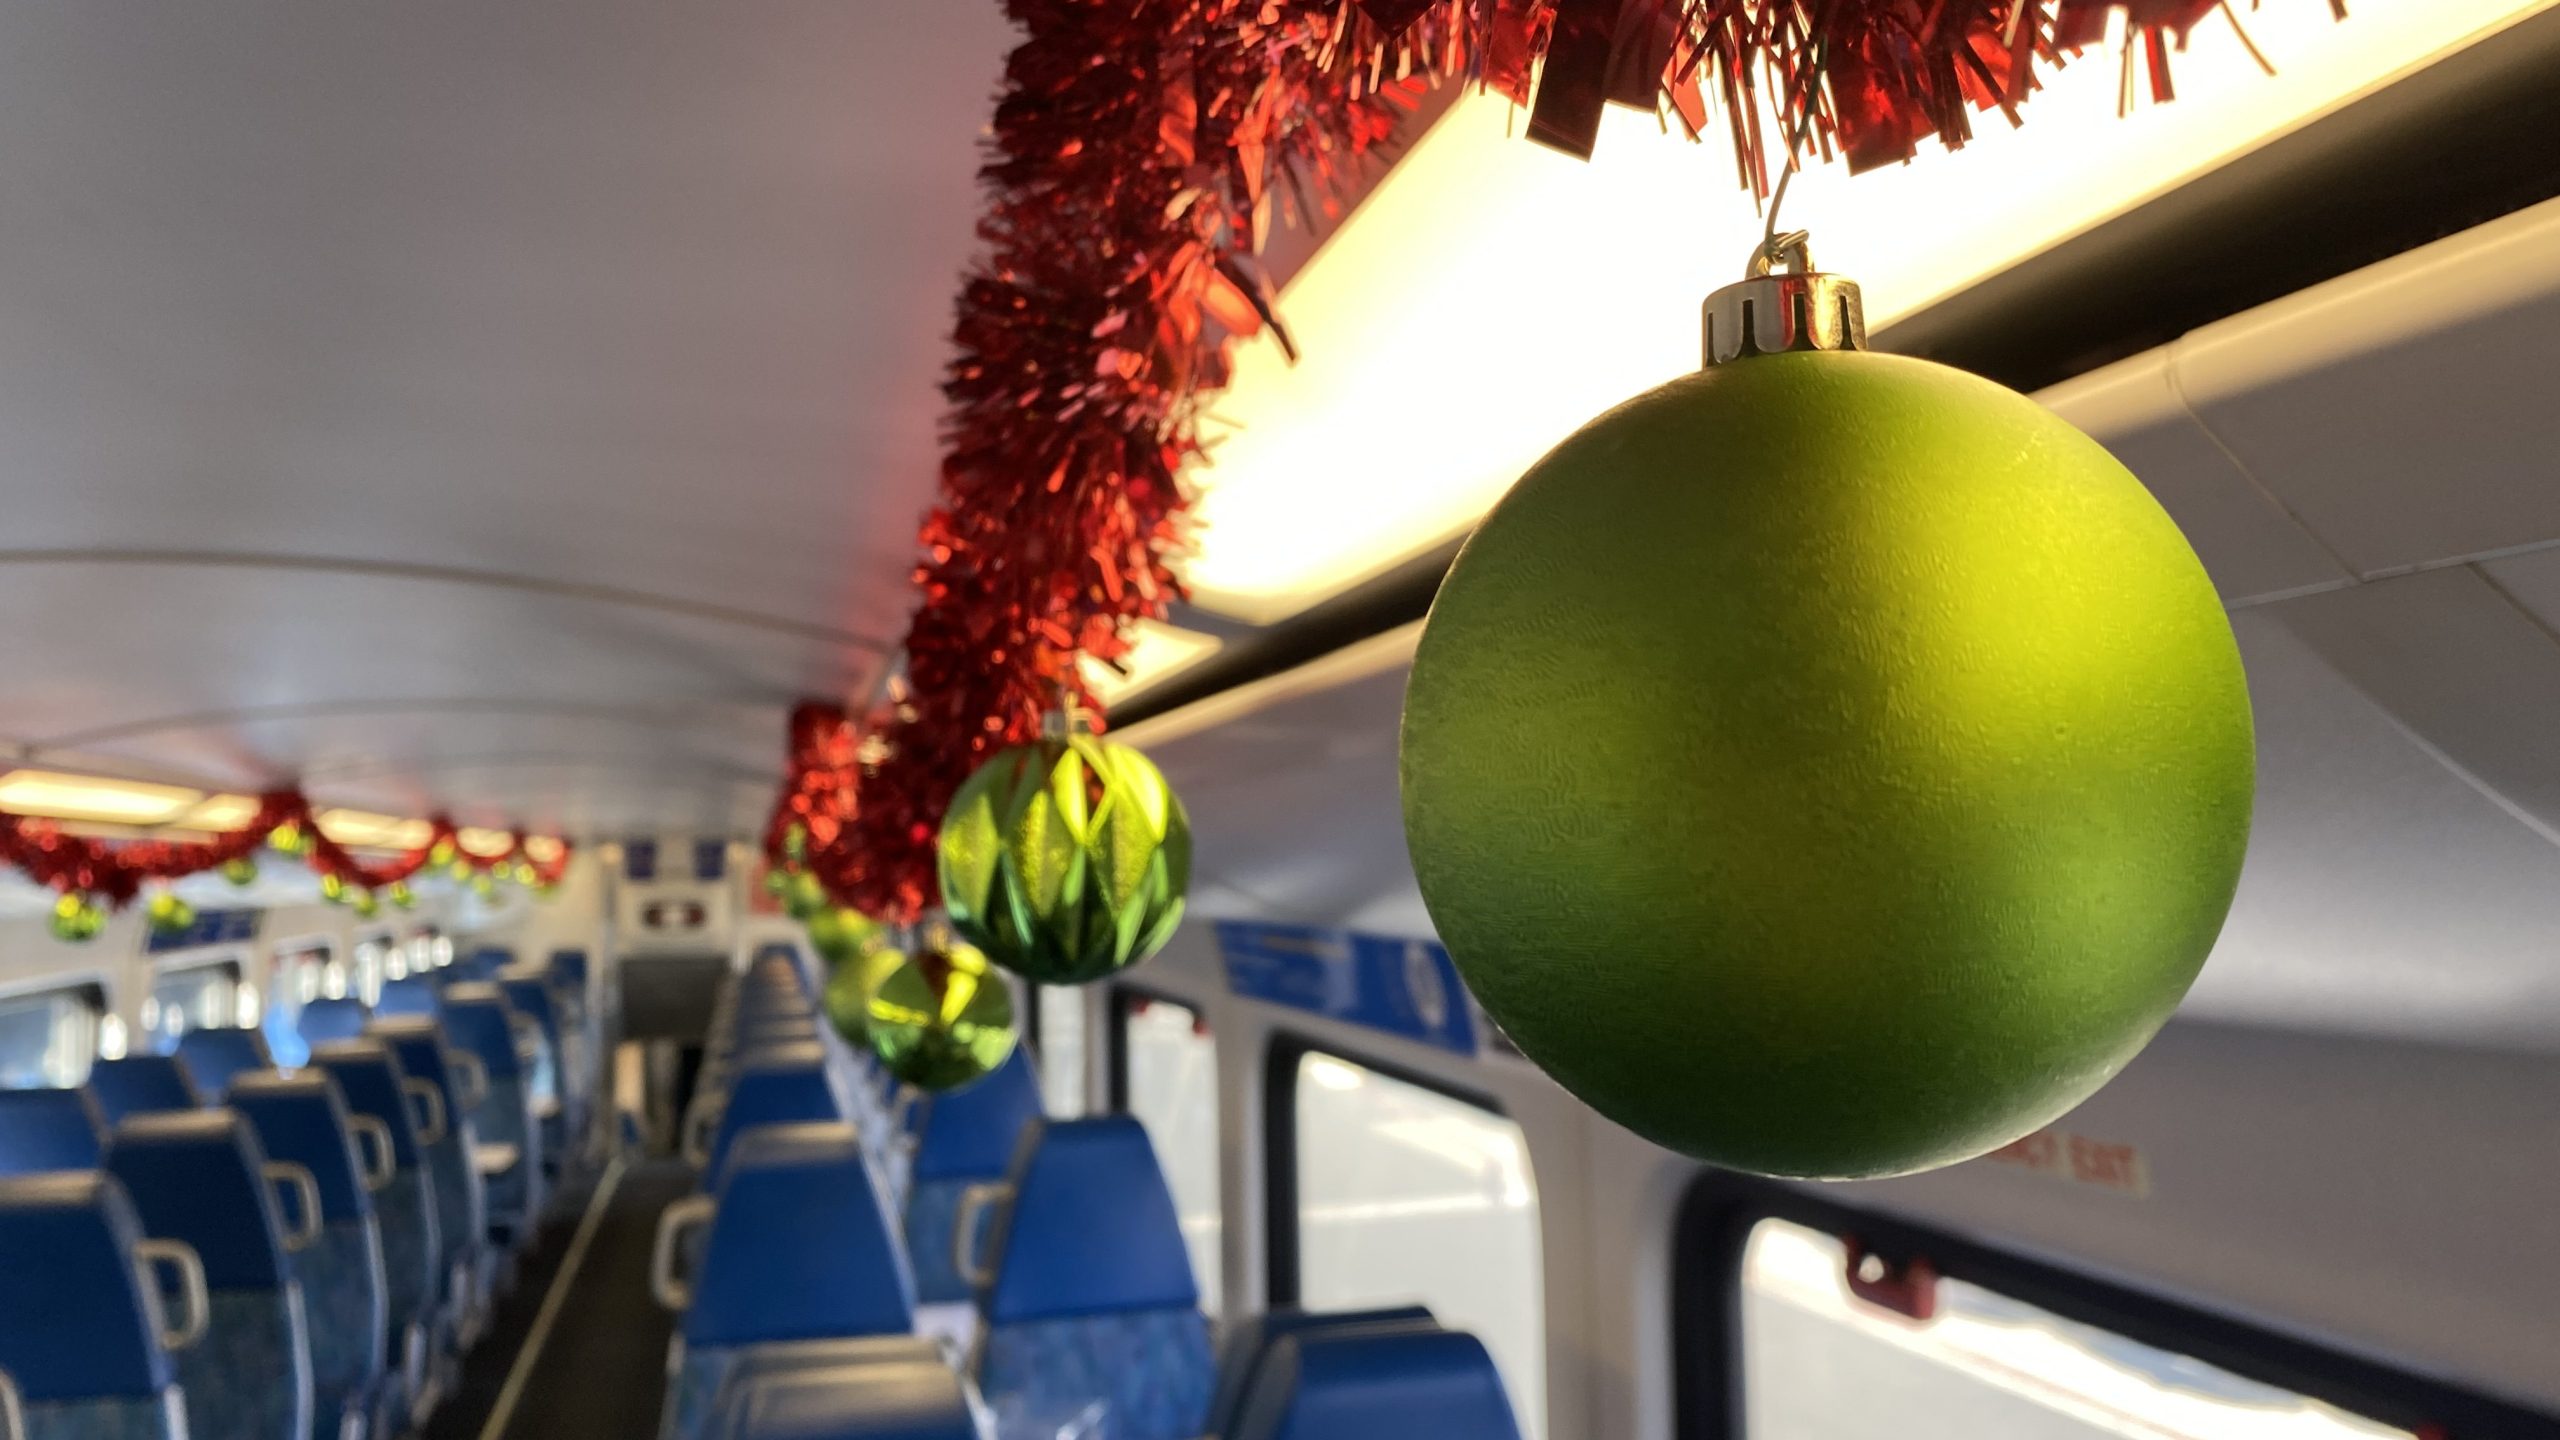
<point x="242" y="872"/>
<point x="941" y="1018"/>
<point x="839" y="934"/>
<point x="403" y="896"/>
<point x="805" y="898"/>
<point x="1829" y="764"/>
<point x="169" y="914"/>
<point x="365" y="904"/>
<point x="333" y="888"/>
<point x="77" y="918"/>
<point x="1066" y="860"/>
<point x="851" y="984"/>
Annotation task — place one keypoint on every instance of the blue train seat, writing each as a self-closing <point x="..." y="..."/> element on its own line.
<point x="508" y="1149"/>
<point x="199" y="1177"/>
<point x="304" y="1119"/>
<point x="410" y="995"/>
<point x="1377" y="1383"/>
<point x="559" y="1086"/>
<point x="213" y="1056"/>
<point x="140" y="1084"/>
<point x="43" y="1130"/>
<point x="1248" y="1343"/>
<point x="481" y="966"/>
<point x="1092" y="1306"/>
<point x="462" y="1209"/>
<point x="878" y="1388"/>
<point x="964" y="1138"/>
<point x="799" y="1249"/>
<point x="779" y="1085"/>
<point x="414" y="1258"/>
<point x="327" y="1019"/>
<point x="77" y="1337"/>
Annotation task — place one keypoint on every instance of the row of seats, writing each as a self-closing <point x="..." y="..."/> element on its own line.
<point x="836" y="1218"/>
<point x="205" y="1247"/>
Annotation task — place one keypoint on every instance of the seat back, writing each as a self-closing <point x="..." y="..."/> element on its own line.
<point x="76" y="1334"/>
<point x="1248" y="1343"/>
<point x="1092" y="1306"/>
<point x="327" y="1019"/>
<point x="213" y="1056"/>
<point x="482" y="965"/>
<point x="1377" y="1383"/>
<point x="410" y="995"/>
<point x="965" y="1137"/>
<point x="141" y="1084"/>
<point x="478" y="1023"/>
<point x="304" y="1119"/>
<point x="199" y="1177"/>
<point x="43" y="1130"/>
<point x="777" y="1085"/>
<point x="874" y="1389"/>
<point x="462" y="1212"/>
<point x="413" y="1252"/>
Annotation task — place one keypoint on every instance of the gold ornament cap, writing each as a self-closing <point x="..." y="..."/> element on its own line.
<point x="1773" y="311"/>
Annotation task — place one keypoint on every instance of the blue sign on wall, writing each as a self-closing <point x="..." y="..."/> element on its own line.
<point x="710" y="859"/>
<point x="1401" y="986"/>
<point x="640" y="860"/>
<point x="212" y="927"/>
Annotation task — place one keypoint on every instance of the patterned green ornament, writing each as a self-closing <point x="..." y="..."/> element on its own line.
<point x="403" y="896"/>
<point x="366" y="905"/>
<point x="941" y="1018"/>
<point x="286" y="839"/>
<point x="333" y="888"/>
<point x="805" y="898"/>
<point x="169" y="914"/>
<point x="1829" y="764"/>
<point x="242" y="872"/>
<point x="443" y="852"/>
<point x="77" y="918"/>
<point x="851" y="984"/>
<point x="1066" y="860"/>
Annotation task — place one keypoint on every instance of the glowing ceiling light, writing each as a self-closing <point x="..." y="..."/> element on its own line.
<point x="480" y="841"/>
<point x="221" y="812"/>
<point x="1491" y="295"/>
<point x="89" y="797"/>
<point x="1158" y="651"/>
<point x="542" y="849"/>
<point x="366" y="831"/>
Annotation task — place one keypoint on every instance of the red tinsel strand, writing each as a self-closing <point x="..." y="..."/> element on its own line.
<point x="1142" y="150"/>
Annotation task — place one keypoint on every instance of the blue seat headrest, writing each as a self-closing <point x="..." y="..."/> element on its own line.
<point x="303" y="1118"/>
<point x="369" y="1076"/>
<point x="140" y="1084"/>
<point x="1092" y="1228"/>
<point x="44" y="1130"/>
<point x="198" y="1176"/>
<point x="864" y="1390"/>
<point x="800" y="1245"/>
<point x="1249" y="1342"/>
<point x="72" y="1320"/>
<point x="327" y="1019"/>
<point x="408" y="995"/>
<point x="571" y="967"/>
<point x="973" y="1133"/>
<point x="485" y="962"/>
<point x="419" y="1044"/>
<point x="478" y="1022"/>
<point x="781" y="1085"/>
<point x="530" y="994"/>
<point x="214" y="1056"/>
<point x="1378" y="1384"/>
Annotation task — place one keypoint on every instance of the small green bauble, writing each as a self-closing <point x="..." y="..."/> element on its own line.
<point x="838" y="934"/>
<point x="1828" y="765"/>
<point x="1066" y="860"/>
<point x="442" y="852"/>
<point x="76" y="918"/>
<point x="365" y="904"/>
<point x="851" y="984"/>
<point x="402" y="895"/>
<point x="804" y="898"/>
<point x="941" y="1018"/>
<point x="169" y="914"/>
<point x="333" y="889"/>
<point x="242" y="872"/>
<point x="285" y="839"/>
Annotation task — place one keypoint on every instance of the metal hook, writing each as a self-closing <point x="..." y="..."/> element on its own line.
<point x="1794" y="249"/>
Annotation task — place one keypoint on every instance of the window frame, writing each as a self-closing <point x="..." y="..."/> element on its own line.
<point x="1125" y="1000"/>
<point x="90" y="982"/>
<point x="1718" y="1212"/>
<point x="237" y="959"/>
<point x="1284" y="1052"/>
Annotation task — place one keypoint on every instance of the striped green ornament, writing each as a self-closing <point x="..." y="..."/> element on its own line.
<point x="1066" y="860"/>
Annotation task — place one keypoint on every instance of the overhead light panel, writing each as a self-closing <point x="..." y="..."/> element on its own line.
<point x="220" y="812"/>
<point x="1157" y="652"/>
<point x="57" y="796"/>
<point x="1490" y="296"/>
<point x="481" y="841"/>
<point x="366" y="831"/>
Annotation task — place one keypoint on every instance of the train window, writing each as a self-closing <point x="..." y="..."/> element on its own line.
<point x="48" y="1038"/>
<point x="374" y="956"/>
<point x="301" y="972"/>
<point x="198" y="996"/>
<point x="1818" y="1360"/>
<point x="1406" y="1194"/>
<point x="1060" y="1051"/>
<point x="1171" y="1085"/>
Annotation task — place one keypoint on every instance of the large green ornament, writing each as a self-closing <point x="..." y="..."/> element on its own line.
<point x="76" y="918"/>
<point x="851" y="984"/>
<point x="1066" y="860"/>
<point x="941" y="1018"/>
<point x="1829" y="764"/>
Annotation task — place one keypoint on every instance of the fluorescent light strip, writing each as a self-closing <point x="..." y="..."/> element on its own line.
<point x="88" y="797"/>
<point x="1490" y="296"/>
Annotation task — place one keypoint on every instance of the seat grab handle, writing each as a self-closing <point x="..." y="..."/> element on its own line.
<point x="303" y="1222"/>
<point x="428" y="1102"/>
<point x="196" y="1310"/>
<point x="975" y="1202"/>
<point x="674" y="1224"/>
<point x="374" y="1152"/>
<point x="471" y="1074"/>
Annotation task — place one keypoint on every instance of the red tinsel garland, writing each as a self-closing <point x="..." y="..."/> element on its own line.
<point x="1142" y="150"/>
<point x="116" y="870"/>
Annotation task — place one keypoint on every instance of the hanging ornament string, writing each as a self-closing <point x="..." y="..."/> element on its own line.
<point x="1141" y="154"/>
<point x="115" y="871"/>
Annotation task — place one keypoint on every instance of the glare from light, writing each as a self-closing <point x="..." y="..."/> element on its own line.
<point x="363" y="830"/>
<point x="1333" y="1074"/>
<point x="111" y="1038"/>
<point x="221" y="812"/>
<point x="88" y="797"/>
<point x="245" y="1007"/>
<point x="1490" y="296"/>
<point x="481" y="841"/>
<point x="1157" y="652"/>
<point x="543" y="849"/>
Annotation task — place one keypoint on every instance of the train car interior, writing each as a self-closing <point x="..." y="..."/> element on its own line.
<point x="1280" y="720"/>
